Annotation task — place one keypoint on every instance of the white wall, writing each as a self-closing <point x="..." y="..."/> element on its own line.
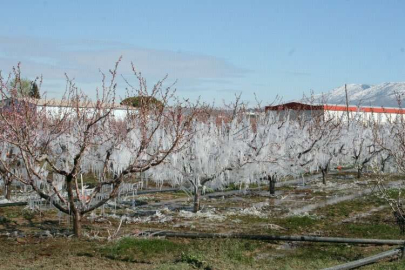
<point x="119" y="113"/>
<point x="365" y="116"/>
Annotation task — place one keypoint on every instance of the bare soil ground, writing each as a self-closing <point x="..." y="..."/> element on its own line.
<point x="344" y="207"/>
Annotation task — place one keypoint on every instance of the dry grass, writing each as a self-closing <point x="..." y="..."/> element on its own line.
<point x="33" y="252"/>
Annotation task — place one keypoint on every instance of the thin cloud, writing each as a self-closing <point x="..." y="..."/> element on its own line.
<point x="83" y="59"/>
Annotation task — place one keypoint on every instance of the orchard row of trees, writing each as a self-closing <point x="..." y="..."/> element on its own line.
<point x="173" y="141"/>
<point x="271" y="147"/>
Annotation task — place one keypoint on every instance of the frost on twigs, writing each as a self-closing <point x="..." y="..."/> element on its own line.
<point x="79" y="154"/>
<point x="57" y="143"/>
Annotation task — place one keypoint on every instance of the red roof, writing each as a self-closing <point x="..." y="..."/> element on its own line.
<point x="294" y="106"/>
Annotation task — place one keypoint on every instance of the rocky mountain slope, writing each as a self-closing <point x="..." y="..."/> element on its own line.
<point x="384" y="95"/>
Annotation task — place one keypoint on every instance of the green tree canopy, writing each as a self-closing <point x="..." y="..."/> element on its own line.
<point x="140" y="101"/>
<point x="34" y="91"/>
<point x="26" y="88"/>
<point x="21" y="86"/>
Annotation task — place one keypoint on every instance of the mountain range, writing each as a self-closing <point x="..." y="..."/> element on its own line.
<point x="380" y="95"/>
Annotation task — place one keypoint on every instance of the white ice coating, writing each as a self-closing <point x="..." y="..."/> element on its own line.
<point x="213" y="151"/>
<point x="241" y="152"/>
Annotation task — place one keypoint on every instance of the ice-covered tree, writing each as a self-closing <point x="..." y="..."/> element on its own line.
<point x="10" y="160"/>
<point x="216" y="149"/>
<point x="361" y="145"/>
<point x="390" y="138"/>
<point x="327" y="141"/>
<point x="280" y="147"/>
<point x="81" y="137"/>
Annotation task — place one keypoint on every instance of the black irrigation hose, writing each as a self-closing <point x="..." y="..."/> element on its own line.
<point x="13" y="204"/>
<point x="151" y="191"/>
<point x="279" y="238"/>
<point x="368" y="260"/>
<point x="350" y="265"/>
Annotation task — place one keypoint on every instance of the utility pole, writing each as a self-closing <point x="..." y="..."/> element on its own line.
<point x="347" y="105"/>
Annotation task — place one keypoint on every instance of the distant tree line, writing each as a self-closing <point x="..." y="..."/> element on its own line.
<point x="141" y="101"/>
<point x="26" y="88"/>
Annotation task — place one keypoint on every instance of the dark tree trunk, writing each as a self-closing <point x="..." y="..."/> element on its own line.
<point x="272" y="185"/>
<point x="8" y="188"/>
<point x="196" y="206"/>
<point x="324" y="172"/>
<point x="383" y="162"/>
<point x="359" y="170"/>
<point x="77" y="227"/>
<point x="77" y="224"/>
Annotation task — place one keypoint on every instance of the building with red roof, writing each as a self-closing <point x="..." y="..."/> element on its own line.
<point x="327" y="111"/>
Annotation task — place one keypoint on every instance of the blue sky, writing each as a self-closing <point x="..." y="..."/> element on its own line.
<point x="213" y="48"/>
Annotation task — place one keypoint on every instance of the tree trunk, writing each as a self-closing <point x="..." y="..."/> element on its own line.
<point x="383" y="166"/>
<point x="196" y="207"/>
<point x="383" y="162"/>
<point x="272" y="185"/>
<point x="359" y="173"/>
<point x="324" y="172"/>
<point x="77" y="227"/>
<point x="8" y="188"/>
<point x="77" y="224"/>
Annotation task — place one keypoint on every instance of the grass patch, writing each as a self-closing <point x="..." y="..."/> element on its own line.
<point x="318" y="256"/>
<point x="4" y="220"/>
<point x="90" y="180"/>
<point x="13" y="214"/>
<point x="396" y="265"/>
<point x="194" y="260"/>
<point x="286" y="188"/>
<point x="346" y="208"/>
<point x="297" y="222"/>
<point x="28" y="214"/>
<point x="141" y="250"/>
<point x="201" y="254"/>
<point x="320" y="193"/>
<point x="227" y="253"/>
<point x="367" y="230"/>
<point x="239" y="251"/>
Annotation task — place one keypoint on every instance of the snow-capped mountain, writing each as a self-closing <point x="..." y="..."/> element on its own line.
<point x="384" y="95"/>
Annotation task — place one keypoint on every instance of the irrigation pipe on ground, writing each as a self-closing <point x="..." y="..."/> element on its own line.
<point x="13" y="204"/>
<point x="350" y="265"/>
<point x="279" y="238"/>
<point x="368" y="260"/>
